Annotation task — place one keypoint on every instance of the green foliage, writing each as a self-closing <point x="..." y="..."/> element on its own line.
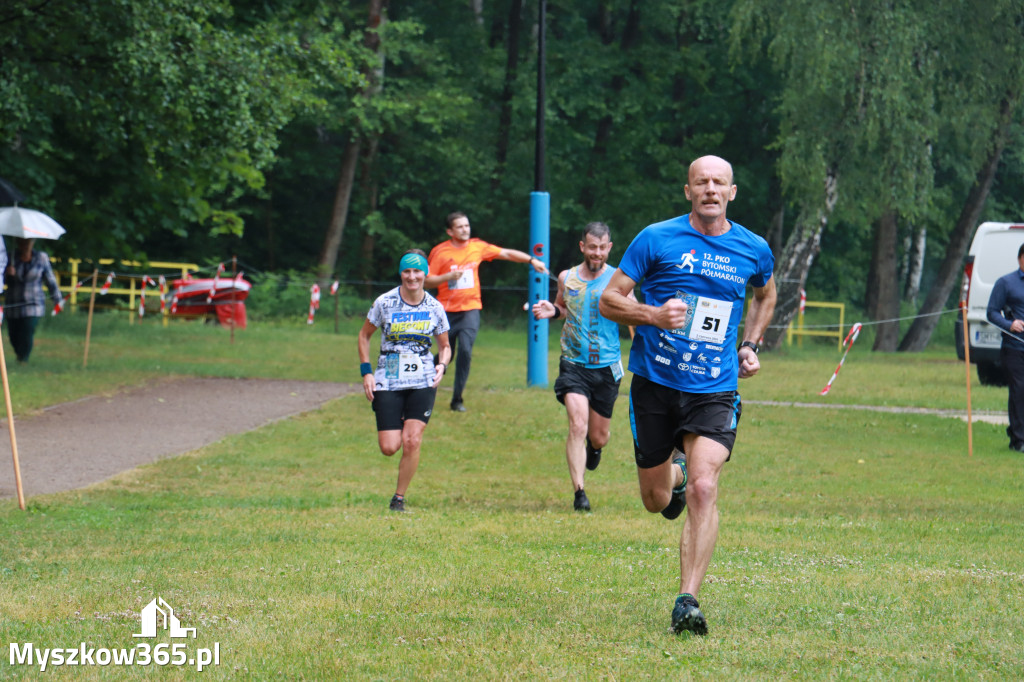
<point x="286" y="298"/>
<point x="189" y="131"/>
<point x="140" y="117"/>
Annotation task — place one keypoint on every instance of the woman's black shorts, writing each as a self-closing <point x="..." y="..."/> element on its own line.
<point x="394" y="407"/>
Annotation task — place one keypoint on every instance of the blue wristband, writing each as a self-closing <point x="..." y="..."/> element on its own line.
<point x="365" y="368"/>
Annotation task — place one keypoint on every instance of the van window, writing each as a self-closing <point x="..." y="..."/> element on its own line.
<point x="1000" y="256"/>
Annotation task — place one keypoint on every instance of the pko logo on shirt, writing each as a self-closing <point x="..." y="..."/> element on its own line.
<point x="662" y="359"/>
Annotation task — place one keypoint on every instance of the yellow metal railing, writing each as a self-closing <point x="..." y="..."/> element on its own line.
<point x="132" y="290"/>
<point x="796" y="328"/>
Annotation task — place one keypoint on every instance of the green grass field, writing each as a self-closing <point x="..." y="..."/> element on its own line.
<point x="854" y="545"/>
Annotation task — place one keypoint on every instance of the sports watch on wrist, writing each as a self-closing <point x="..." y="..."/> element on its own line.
<point x="752" y="346"/>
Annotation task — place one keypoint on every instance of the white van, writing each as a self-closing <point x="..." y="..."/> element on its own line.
<point x="993" y="253"/>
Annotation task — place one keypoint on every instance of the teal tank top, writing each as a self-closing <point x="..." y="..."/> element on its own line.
<point x="588" y="338"/>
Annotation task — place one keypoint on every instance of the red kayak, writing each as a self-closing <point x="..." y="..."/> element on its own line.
<point x="223" y="297"/>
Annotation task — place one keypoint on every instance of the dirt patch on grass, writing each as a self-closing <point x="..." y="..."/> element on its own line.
<point x="76" y="444"/>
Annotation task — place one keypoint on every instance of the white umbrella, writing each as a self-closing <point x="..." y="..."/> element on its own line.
<point x="28" y="224"/>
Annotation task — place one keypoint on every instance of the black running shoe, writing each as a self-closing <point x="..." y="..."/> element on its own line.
<point x="686" y="615"/>
<point x="581" y="503"/>
<point x="678" y="502"/>
<point x="397" y="504"/>
<point x="593" y="455"/>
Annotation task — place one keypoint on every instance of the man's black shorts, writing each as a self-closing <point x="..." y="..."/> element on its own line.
<point x="599" y="386"/>
<point x="659" y="416"/>
<point x="394" y="407"/>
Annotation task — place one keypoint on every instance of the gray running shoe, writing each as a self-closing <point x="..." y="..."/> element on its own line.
<point x="397" y="504"/>
<point x="581" y="503"/>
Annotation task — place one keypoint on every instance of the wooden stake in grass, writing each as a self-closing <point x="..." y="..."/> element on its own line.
<point x="967" y="366"/>
<point x="88" y="325"/>
<point x="234" y="284"/>
<point x="10" y="426"/>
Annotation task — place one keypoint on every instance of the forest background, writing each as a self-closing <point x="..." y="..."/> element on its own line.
<point x="869" y="138"/>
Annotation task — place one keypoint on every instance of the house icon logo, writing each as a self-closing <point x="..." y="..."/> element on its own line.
<point x="158" y="615"/>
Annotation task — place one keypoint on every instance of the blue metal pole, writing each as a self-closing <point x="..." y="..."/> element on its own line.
<point x="540" y="222"/>
<point x="540" y="234"/>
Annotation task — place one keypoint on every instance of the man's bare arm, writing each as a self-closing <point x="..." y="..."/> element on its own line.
<point x="517" y="256"/>
<point x="618" y="305"/>
<point x="433" y="281"/>
<point x="543" y="310"/>
<point x="759" y="315"/>
<point x="762" y="305"/>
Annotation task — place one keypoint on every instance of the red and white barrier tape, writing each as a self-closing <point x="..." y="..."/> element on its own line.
<point x="314" y="302"/>
<point x="106" y="285"/>
<point x="146" y="279"/>
<point x="847" y="344"/>
<point x="216" y="280"/>
<point x="162" y="284"/>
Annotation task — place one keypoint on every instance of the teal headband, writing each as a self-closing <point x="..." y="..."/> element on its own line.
<point x="412" y="261"/>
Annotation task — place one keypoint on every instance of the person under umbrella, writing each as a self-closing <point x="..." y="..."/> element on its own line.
<point x="24" y="300"/>
<point x="25" y="223"/>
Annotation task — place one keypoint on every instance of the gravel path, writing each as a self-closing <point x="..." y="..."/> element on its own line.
<point x="76" y="444"/>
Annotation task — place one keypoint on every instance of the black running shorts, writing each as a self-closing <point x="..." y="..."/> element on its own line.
<point x="659" y="417"/>
<point x="394" y="407"/>
<point x="599" y="386"/>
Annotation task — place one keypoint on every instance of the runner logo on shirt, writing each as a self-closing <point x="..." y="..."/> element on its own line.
<point x="688" y="260"/>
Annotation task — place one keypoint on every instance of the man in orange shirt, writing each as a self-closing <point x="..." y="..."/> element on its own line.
<point x="455" y="271"/>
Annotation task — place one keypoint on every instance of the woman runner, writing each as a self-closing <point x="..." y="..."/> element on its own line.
<point x="403" y="386"/>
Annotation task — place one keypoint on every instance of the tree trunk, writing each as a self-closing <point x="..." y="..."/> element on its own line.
<point x="369" y="186"/>
<point x="920" y="332"/>
<point x="515" y="24"/>
<point x="374" y="73"/>
<point x="599" y="150"/>
<point x="776" y="230"/>
<point x="795" y="262"/>
<point x="339" y="213"/>
<point x="883" y="299"/>
<point x="268" y="223"/>
<point x="914" y="246"/>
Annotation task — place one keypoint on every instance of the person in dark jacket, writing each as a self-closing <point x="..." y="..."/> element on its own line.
<point x="24" y="300"/>
<point x="1006" y="311"/>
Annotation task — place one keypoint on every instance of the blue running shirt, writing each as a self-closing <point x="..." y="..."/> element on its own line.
<point x="407" y="332"/>
<point x="588" y="338"/>
<point x="673" y="260"/>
